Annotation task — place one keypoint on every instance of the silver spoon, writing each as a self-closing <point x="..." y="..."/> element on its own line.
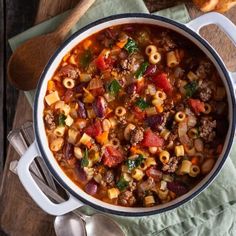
<point x="69" y="225"/>
<point x="96" y="225"/>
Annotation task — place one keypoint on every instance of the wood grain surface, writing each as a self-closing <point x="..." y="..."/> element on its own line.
<point x="19" y="215"/>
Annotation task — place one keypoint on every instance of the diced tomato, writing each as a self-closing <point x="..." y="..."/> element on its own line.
<point x="140" y="85"/>
<point x="94" y="130"/>
<point x="112" y="157"/>
<point x="154" y="173"/>
<point x="139" y="114"/>
<point x="100" y="63"/>
<point x="161" y="81"/>
<point x="68" y="95"/>
<point x="196" y="105"/>
<point x="151" y="139"/>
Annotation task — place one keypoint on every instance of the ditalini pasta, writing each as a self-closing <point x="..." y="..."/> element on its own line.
<point x="136" y="115"/>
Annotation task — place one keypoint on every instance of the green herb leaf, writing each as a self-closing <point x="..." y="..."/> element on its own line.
<point x="139" y="73"/>
<point x="61" y="119"/>
<point x="131" y="46"/>
<point x="85" y="161"/>
<point x="122" y="184"/>
<point x="135" y="162"/>
<point x="141" y="104"/>
<point x="85" y="58"/>
<point x="114" y="87"/>
<point x="190" y="89"/>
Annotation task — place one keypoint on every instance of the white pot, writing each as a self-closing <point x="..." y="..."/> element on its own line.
<point x="40" y="147"/>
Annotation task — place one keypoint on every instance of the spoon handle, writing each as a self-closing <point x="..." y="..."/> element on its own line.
<point x="73" y="18"/>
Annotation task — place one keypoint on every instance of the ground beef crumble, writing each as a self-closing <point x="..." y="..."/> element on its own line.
<point x="207" y="129"/>
<point x="49" y="120"/>
<point x="171" y="166"/>
<point x="205" y="92"/>
<point x="126" y="198"/>
<point x="136" y="136"/>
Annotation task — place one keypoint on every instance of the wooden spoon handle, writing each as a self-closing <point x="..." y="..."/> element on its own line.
<point x="73" y="18"/>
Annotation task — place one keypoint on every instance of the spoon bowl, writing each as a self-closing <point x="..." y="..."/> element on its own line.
<point x="69" y="225"/>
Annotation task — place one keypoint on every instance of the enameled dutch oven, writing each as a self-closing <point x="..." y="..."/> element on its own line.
<point x="40" y="147"/>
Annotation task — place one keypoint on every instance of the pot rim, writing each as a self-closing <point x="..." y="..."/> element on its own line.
<point x="210" y="50"/>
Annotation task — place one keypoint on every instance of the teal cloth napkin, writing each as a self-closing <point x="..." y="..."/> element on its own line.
<point x="213" y="212"/>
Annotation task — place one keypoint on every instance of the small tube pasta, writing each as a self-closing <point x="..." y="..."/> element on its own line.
<point x="150" y="49"/>
<point x="194" y="171"/>
<point x="72" y="136"/>
<point x="193" y="133"/>
<point x="127" y="177"/>
<point x="198" y="144"/>
<point x="179" y="150"/>
<point x="69" y="120"/>
<point x="85" y="139"/>
<point x="68" y="83"/>
<point x="154" y="58"/>
<point x="208" y="108"/>
<point x="160" y="95"/>
<point x="115" y="142"/>
<point x="52" y="98"/>
<point x="152" y="150"/>
<point x="190" y="151"/>
<point x="91" y="114"/>
<point x="163" y="185"/>
<point x="150" y="161"/>
<point x="164" y="157"/>
<point x="59" y="104"/>
<point x="120" y="111"/>
<point x="180" y="116"/>
<point x="128" y="130"/>
<point x="106" y="125"/>
<point x="157" y="102"/>
<point x="149" y="200"/>
<point x="57" y="144"/>
<point x="168" y="178"/>
<point x="171" y="59"/>
<point x="165" y="133"/>
<point x="113" y="193"/>
<point x="65" y="109"/>
<point x="113" y="122"/>
<point x="162" y="194"/>
<point x="192" y="76"/>
<point x="59" y="131"/>
<point x="185" y="167"/>
<point x="78" y="153"/>
<point x="137" y="174"/>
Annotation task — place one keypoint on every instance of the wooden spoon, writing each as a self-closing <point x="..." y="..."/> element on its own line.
<point x="28" y="61"/>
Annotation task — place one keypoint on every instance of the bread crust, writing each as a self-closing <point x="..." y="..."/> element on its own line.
<point x="225" y="5"/>
<point x="206" y="5"/>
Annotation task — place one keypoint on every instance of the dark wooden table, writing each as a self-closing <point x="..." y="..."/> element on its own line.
<point x="19" y="215"/>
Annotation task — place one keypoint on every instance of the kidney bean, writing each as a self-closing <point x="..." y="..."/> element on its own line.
<point x="176" y="187"/>
<point x="91" y="187"/>
<point x="99" y="106"/>
<point x="68" y="150"/>
<point x="151" y="70"/>
<point x="155" y="121"/>
<point x="81" y="173"/>
<point x="131" y="88"/>
<point x="81" y="110"/>
<point x="79" y="88"/>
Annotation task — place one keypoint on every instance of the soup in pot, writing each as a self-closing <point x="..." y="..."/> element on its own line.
<point x="135" y="115"/>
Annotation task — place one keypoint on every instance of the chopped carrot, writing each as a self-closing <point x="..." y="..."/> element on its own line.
<point x="87" y="43"/>
<point x="102" y="138"/>
<point x="195" y="160"/>
<point x="121" y="44"/>
<point x="159" y="108"/>
<point x="51" y="86"/>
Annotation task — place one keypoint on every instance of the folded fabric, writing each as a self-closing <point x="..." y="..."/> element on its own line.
<point x="210" y="213"/>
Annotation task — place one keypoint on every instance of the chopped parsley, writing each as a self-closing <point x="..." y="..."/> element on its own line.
<point x="139" y="73"/>
<point x="61" y="119"/>
<point x="133" y="163"/>
<point x="131" y="46"/>
<point x="85" y="161"/>
<point x="85" y="58"/>
<point x="114" y="87"/>
<point x="122" y="184"/>
<point x="190" y="89"/>
<point x="141" y="104"/>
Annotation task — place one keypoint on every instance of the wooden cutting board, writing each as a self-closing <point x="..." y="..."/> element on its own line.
<point x="19" y="215"/>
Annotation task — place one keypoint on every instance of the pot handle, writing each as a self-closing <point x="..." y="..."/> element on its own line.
<point x="35" y="192"/>
<point x="220" y="20"/>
